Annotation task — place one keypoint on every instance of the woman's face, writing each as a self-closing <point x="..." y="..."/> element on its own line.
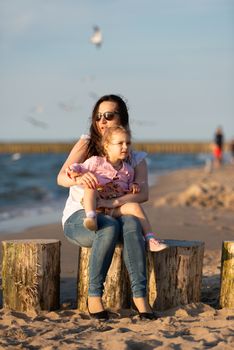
<point x="107" y="116"/>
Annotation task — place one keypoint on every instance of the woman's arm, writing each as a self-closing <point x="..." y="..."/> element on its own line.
<point x="141" y="177"/>
<point x="77" y="155"/>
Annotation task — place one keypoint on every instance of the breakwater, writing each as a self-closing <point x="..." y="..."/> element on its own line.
<point x="149" y="147"/>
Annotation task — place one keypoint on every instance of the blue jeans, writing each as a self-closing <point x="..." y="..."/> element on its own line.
<point x="127" y="230"/>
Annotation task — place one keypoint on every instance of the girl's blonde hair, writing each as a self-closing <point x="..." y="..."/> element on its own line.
<point x="106" y="138"/>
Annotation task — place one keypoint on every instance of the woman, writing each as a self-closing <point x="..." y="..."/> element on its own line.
<point x="110" y="110"/>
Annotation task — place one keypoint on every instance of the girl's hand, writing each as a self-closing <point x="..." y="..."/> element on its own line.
<point x="135" y="188"/>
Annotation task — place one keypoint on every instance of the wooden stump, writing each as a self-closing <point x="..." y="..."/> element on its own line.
<point x="227" y="275"/>
<point x="174" y="277"/>
<point x="117" y="293"/>
<point x="31" y="274"/>
<point x="175" y="274"/>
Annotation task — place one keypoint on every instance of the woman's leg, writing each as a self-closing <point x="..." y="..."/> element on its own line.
<point x="103" y="243"/>
<point x="134" y="253"/>
<point x="135" y="260"/>
<point x="135" y="209"/>
<point x="152" y="242"/>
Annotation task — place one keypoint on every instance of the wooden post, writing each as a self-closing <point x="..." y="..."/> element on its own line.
<point x="174" y="277"/>
<point x="175" y="274"/>
<point x="227" y="275"/>
<point x="31" y="274"/>
<point x="117" y="293"/>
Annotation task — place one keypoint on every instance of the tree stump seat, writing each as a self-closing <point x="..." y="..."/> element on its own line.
<point x="226" y="298"/>
<point x="174" y="277"/>
<point x="31" y="274"/>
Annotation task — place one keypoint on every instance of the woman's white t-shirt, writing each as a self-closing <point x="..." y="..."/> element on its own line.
<point x="76" y="192"/>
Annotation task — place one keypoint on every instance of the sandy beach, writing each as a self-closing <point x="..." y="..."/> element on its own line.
<point x="190" y="204"/>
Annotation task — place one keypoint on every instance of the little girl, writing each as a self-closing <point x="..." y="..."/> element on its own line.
<point x="115" y="177"/>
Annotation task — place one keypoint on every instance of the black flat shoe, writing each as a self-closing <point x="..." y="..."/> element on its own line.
<point x="147" y="316"/>
<point x="101" y="315"/>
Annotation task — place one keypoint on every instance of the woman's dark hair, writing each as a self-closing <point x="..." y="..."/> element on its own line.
<point x="94" y="146"/>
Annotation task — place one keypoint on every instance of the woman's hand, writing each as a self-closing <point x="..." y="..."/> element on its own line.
<point x="88" y="180"/>
<point x="135" y="188"/>
<point x="72" y="174"/>
<point x="107" y="203"/>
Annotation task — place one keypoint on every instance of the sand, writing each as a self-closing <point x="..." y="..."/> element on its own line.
<point x="190" y="204"/>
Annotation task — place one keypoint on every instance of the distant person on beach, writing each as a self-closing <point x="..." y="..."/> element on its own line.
<point x="109" y="111"/>
<point x="218" y="147"/>
<point x="115" y="178"/>
<point x="231" y="147"/>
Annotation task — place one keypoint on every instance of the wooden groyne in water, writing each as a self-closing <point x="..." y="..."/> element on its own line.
<point x="149" y="147"/>
<point x="36" y="147"/>
<point x="174" y="147"/>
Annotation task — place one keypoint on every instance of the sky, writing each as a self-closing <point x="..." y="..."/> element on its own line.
<point x="172" y="61"/>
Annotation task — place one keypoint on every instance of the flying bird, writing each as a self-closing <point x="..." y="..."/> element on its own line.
<point x="93" y="95"/>
<point x="38" y="109"/>
<point x="66" y="107"/>
<point x="36" y="122"/>
<point x="96" y="38"/>
<point x="143" y="122"/>
<point x="69" y="105"/>
<point x="33" y="119"/>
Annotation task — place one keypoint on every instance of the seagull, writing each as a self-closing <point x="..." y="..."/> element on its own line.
<point x="31" y="117"/>
<point x="16" y="156"/>
<point x="69" y="105"/>
<point x="93" y="95"/>
<point x="37" y="122"/>
<point x="96" y="38"/>
<point x="143" y="122"/>
<point x="66" y="107"/>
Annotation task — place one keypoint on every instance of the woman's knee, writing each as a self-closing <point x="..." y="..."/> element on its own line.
<point x="130" y="223"/>
<point x="107" y="225"/>
<point x="131" y="208"/>
<point x="75" y="232"/>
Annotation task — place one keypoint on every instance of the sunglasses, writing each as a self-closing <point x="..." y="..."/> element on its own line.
<point x="107" y="115"/>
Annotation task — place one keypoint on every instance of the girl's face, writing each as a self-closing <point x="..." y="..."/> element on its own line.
<point x="118" y="147"/>
<point x="107" y="116"/>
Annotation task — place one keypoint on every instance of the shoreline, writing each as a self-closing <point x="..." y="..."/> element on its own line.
<point x="197" y="325"/>
<point x="45" y="216"/>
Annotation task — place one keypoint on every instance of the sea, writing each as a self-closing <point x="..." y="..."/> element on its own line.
<point x="30" y="196"/>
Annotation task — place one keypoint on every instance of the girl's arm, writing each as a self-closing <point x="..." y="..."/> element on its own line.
<point x="77" y="155"/>
<point x="141" y="177"/>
